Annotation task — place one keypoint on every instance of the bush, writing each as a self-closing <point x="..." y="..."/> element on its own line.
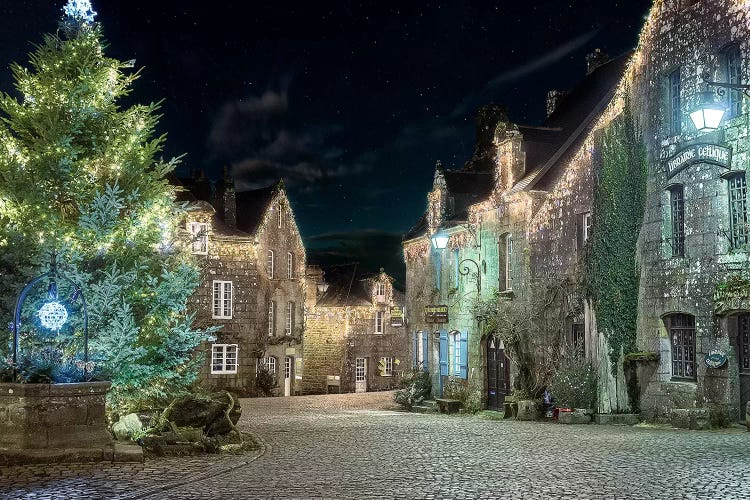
<point x="265" y="381"/>
<point x="574" y="382"/>
<point x="470" y="400"/>
<point x="416" y="386"/>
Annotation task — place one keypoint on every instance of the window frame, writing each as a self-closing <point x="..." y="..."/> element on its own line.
<point x="266" y="361"/>
<point x="379" y="322"/>
<point x="682" y="338"/>
<point x="387" y="366"/>
<point x="380" y="290"/>
<point x="280" y="215"/>
<point x="586" y="226"/>
<point x="270" y="263"/>
<point x="289" y="327"/>
<point x="224" y="351"/>
<point x="220" y="306"/>
<point x="454" y="353"/>
<point x="271" y="318"/>
<point x="198" y="237"/>
<point x="508" y="262"/>
<point x="739" y="219"/>
<point x="289" y="265"/>
<point x="677" y="219"/>
<point x="674" y="84"/>
<point x="731" y="56"/>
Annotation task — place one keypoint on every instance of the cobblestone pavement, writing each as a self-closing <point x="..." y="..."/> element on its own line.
<point x="356" y="446"/>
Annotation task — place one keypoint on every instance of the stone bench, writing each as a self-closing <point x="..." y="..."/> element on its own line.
<point x="448" y="405"/>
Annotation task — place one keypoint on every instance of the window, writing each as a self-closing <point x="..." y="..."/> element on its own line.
<point x="677" y="214"/>
<point x="673" y="93"/>
<point x="222" y="305"/>
<point x="732" y="59"/>
<point x="421" y="350"/>
<point x="223" y="358"/>
<point x="386" y="367"/>
<point x="378" y="321"/>
<point x="198" y="237"/>
<point x="268" y="363"/>
<point x="586" y="226"/>
<point x="583" y="229"/>
<point x="271" y="318"/>
<point x="380" y="291"/>
<point x="290" y="265"/>
<point x="280" y="212"/>
<point x="738" y="219"/>
<point x="682" y="334"/>
<point x="454" y="353"/>
<point x="270" y="264"/>
<point x="578" y="338"/>
<point x="289" y="318"/>
<point x="506" y="278"/>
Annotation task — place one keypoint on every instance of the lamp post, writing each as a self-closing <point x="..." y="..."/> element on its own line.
<point x="708" y="113"/>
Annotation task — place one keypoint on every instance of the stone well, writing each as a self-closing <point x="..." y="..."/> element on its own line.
<point x="57" y="422"/>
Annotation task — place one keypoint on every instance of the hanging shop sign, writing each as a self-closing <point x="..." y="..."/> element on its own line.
<point x="397" y="316"/>
<point x="699" y="153"/>
<point x="436" y="314"/>
<point x="715" y="358"/>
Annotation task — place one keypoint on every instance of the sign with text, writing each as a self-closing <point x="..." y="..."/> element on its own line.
<point x="397" y="316"/>
<point x="715" y="358"/>
<point x="699" y="153"/>
<point x="436" y="314"/>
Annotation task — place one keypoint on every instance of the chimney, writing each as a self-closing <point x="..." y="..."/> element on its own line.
<point x="595" y="59"/>
<point x="487" y="118"/>
<point x="230" y="200"/>
<point x="554" y="98"/>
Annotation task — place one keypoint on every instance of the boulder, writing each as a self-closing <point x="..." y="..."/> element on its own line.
<point x="125" y="428"/>
<point x="206" y="412"/>
<point x="529" y="409"/>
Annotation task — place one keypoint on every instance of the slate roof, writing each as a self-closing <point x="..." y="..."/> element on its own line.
<point x="345" y="287"/>
<point x="252" y="206"/>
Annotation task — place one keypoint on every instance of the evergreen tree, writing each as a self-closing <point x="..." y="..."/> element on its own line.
<point x="79" y="176"/>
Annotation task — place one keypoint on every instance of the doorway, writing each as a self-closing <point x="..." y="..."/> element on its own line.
<point x="360" y="375"/>
<point x="743" y="355"/>
<point x="288" y="372"/>
<point x="498" y="374"/>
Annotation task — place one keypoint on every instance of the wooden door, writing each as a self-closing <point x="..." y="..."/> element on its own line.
<point x="498" y="375"/>
<point x="743" y="353"/>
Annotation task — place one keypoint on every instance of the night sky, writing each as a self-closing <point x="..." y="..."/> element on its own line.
<point x="350" y="102"/>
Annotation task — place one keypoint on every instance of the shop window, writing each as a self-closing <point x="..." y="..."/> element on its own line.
<point x="677" y="215"/>
<point x="681" y="329"/>
<point x="739" y="230"/>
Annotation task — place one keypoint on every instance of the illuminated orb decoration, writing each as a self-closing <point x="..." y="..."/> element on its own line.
<point x="53" y="315"/>
<point x="80" y="10"/>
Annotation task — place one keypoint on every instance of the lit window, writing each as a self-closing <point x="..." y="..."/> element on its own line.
<point x="290" y="265"/>
<point x="677" y="206"/>
<point x="380" y="289"/>
<point x="379" y="322"/>
<point x="268" y="363"/>
<point x="386" y="366"/>
<point x="198" y="237"/>
<point x="222" y="303"/>
<point x="675" y="111"/>
<point x="455" y="352"/>
<point x="738" y="218"/>
<point x="682" y="335"/>
<point x="224" y="358"/>
<point x="733" y="70"/>
<point x="289" y="318"/>
<point x="508" y="262"/>
<point x="270" y="264"/>
<point x="271" y="318"/>
<point x="280" y="212"/>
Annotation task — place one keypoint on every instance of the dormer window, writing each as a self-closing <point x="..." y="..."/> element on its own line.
<point x="380" y="291"/>
<point x="198" y="237"/>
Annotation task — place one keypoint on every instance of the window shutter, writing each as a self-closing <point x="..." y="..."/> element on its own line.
<point x="443" y="352"/>
<point x="425" y="346"/>
<point x="463" y="366"/>
<point x="415" y="340"/>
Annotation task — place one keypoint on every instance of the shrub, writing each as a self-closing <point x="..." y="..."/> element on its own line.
<point x="470" y="400"/>
<point x="265" y="381"/>
<point x="416" y="386"/>
<point x="574" y="382"/>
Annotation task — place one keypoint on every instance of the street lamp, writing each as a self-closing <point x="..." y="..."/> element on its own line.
<point x="708" y="113"/>
<point x="440" y="240"/>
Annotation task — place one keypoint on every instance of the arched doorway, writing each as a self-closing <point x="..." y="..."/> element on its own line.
<point x="498" y="374"/>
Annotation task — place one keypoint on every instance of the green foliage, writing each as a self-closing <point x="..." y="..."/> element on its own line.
<point x="732" y="293"/>
<point x="265" y="380"/>
<point x="574" y="382"/>
<point x="470" y="399"/>
<point x="415" y="387"/>
<point x="612" y="276"/>
<point x="79" y="175"/>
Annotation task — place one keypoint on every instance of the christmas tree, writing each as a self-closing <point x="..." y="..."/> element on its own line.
<point x="79" y="177"/>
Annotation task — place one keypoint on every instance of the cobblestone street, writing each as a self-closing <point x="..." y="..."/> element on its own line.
<point x="356" y="446"/>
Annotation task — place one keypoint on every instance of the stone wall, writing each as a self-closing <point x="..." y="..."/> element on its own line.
<point x="324" y="349"/>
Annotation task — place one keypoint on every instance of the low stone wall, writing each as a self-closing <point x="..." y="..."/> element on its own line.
<point x="53" y="416"/>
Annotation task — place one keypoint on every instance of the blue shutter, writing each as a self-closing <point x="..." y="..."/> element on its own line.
<point x="426" y="351"/>
<point x="443" y="352"/>
<point x="463" y="367"/>
<point x="415" y="338"/>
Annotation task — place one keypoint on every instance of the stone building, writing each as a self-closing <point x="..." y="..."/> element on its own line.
<point x="693" y="246"/>
<point x="688" y="273"/>
<point x="253" y="286"/>
<point x="351" y="340"/>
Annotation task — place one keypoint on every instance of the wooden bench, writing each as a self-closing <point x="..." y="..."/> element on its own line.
<point x="448" y="405"/>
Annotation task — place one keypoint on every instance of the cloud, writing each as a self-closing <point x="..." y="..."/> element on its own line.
<point x="254" y="136"/>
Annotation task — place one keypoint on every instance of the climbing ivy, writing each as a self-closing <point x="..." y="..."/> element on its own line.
<point x="619" y="195"/>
